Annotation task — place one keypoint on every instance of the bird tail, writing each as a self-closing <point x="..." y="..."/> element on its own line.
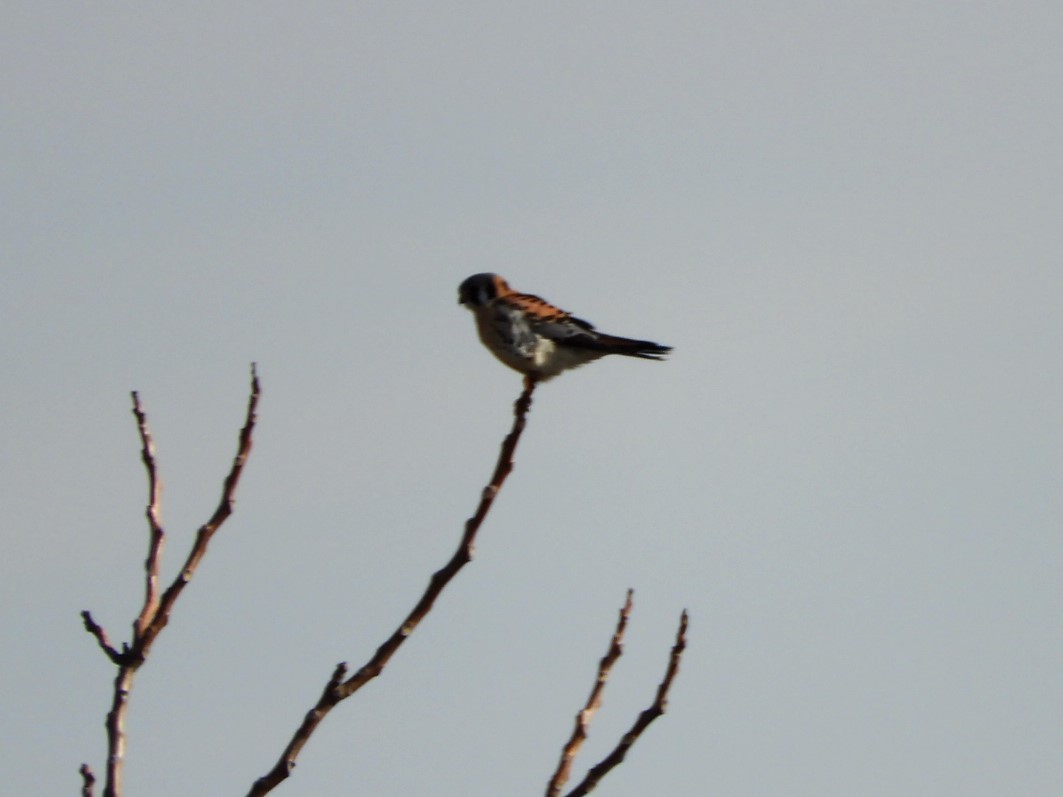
<point x="644" y="349"/>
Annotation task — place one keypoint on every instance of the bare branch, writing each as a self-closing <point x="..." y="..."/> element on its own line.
<point x="101" y="636"/>
<point x="156" y="610"/>
<point x="161" y="616"/>
<point x="656" y="709"/>
<point x="157" y="607"/>
<point x="88" y="780"/>
<point x="123" y="686"/>
<point x="337" y="688"/>
<point x="594" y="702"/>
<point x="157" y="536"/>
<point x="461" y="557"/>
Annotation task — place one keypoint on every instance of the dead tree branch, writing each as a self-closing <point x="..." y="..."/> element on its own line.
<point x="88" y="780"/>
<point x="339" y="686"/>
<point x="157" y="536"/>
<point x="583" y="719"/>
<point x="656" y="709"/>
<point x="101" y="637"/>
<point x="155" y="613"/>
<point x="594" y="702"/>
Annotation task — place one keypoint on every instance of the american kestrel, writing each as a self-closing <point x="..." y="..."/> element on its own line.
<point x="532" y="336"/>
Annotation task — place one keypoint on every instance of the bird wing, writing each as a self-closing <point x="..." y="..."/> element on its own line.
<point x="549" y="321"/>
<point x="523" y="318"/>
<point x="555" y="324"/>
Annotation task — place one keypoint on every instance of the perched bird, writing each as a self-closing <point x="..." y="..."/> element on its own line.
<point x="532" y="336"/>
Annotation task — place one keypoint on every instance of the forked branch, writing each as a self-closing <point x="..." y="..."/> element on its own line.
<point x="157" y="619"/>
<point x="155" y="613"/>
<point x="339" y="686"/>
<point x="584" y="717"/>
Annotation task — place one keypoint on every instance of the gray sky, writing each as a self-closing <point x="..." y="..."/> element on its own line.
<point x="845" y="217"/>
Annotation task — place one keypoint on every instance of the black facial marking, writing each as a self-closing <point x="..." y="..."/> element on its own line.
<point x="477" y="290"/>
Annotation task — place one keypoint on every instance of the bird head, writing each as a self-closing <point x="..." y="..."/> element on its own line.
<point x="479" y="290"/>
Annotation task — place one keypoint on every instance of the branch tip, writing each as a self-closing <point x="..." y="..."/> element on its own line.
<point x="88" y="780"/>
<point x="102" y="639"/>
<point x="338" y="674"/>
<point x="648" y="715"/>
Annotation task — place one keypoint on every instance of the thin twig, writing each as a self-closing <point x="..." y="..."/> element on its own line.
<point x="157" y="537"/>
<point x="161" y="616"/>
<point x="594" y="702"/>
<point x="339" y="687"/>
<point x="656" y="709"/>
<point x="155" y="612"/>
<point x="101" y="637"/>
<point x="88" y="780"/>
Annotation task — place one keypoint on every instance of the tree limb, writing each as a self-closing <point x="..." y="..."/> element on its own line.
<point x="155" y="612"/>
<point x="594" y="702"/>
<point x="157" y="537"/>
<point x="339" y="686"/>
<point x="161" y="616"/>
<point x="656" y="709"/>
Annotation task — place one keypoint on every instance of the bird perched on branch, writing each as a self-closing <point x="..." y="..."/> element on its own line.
<point x="532" y="336"/>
